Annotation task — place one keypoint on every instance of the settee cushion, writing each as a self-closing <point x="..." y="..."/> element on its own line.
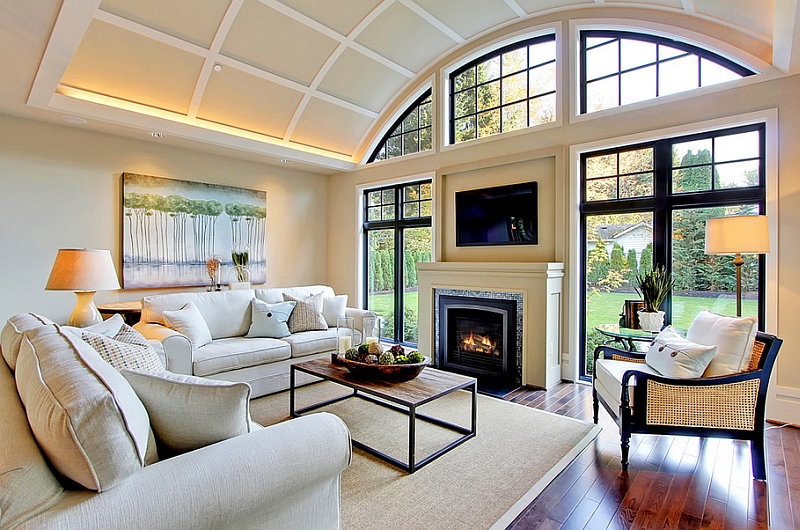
<point x="227" y="313"/>
<point x="190" y="322"/>
<point x="333" y="308"/>
<point x="608" y="379"/>
<point x="674" y="356"/>
<point x="27" y="485"/>
<point x="269" y="320"/>
<point x="85" y="416"/>
<point x="223" y="355"/>
<point x="307" y="314"/>
<point x="15" y="328"/>
<point x="188" y="412"/>
<point x="127" y="349"/>
<point x="733" y="336"/>
<point x="310" y="342"/>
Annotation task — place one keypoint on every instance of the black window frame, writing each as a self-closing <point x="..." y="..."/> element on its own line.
<point x="655" y="39"/>
<point x="397" y="129"/>
<point x="486" y="57"/>
<point x="398" y="224"/>
<point x="663" y="203"/>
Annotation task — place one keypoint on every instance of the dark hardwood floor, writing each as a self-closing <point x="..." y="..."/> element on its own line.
<point x="673" y="482"/>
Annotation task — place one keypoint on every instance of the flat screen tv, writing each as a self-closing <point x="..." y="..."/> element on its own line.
<point x="503" y="215"/>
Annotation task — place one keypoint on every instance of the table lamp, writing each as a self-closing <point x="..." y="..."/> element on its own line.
<point x="737" y="235"/>
<point x="83" y="271"/>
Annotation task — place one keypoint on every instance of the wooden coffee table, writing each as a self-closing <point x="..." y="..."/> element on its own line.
<point x="404" y="396"/>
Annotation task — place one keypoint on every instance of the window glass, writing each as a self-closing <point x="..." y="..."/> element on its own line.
<point x="620" y="68"/>
<point x="411" y="133"/>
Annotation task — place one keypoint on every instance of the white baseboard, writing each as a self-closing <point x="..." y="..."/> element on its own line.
<point x="783" y="404"/>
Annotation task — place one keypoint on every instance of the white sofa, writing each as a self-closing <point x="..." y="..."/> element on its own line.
<point x="265" y="479"/>
<point x="262" y="362"/>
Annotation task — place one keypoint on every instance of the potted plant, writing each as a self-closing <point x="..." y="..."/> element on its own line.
<point x="653" y="287"/>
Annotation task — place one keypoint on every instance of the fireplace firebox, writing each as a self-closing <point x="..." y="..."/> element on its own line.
<point x="478" y="337"/>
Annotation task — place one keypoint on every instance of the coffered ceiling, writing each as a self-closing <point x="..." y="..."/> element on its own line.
<point x="305" y="80"/>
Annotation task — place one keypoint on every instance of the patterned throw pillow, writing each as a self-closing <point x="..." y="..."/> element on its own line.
<point x="128" y="349"/>
<point x="307" y="314"/>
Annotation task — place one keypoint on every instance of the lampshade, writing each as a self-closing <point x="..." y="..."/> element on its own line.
<point x="746" y="234"/>
<point x="83" y="270"/>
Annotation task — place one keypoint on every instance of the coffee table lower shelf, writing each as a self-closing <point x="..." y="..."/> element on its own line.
<point x="386" y="395"/>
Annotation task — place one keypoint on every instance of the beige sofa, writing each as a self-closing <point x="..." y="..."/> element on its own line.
<point x="265" y="479"/>
<point x="261" y="362"/>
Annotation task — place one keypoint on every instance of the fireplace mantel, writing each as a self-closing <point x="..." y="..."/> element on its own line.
<point x="540" y="285"/>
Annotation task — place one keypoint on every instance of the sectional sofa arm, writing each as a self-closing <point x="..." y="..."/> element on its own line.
<point x="264" y="479"/>
<point x="178" y="349"/>
<point x="358" y="316"/>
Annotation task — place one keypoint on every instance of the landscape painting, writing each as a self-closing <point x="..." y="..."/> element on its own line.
<point x="172" y="228"/>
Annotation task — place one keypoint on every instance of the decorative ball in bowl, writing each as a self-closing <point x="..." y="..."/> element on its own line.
<point x="394" y="364"/>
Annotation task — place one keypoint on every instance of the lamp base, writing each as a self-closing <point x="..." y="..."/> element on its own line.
<point x="85" y="312"/>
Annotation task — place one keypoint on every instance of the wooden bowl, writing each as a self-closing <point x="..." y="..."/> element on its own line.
<point x="392" y="372"/>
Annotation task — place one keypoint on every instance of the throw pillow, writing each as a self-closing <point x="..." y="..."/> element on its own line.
<point x="333" y="308"/>
<point x="13" y="332"/>
<point x="269" y="320"/>
<point x="188" y="412"/>
<point x="108" y="327"/>
<point x="128" y="349"/>
<point x="674" y="356"/>
<point x="733" y="336"/>
<point x="190" y="322"/>
<point x="84" y="415"/>
<point x="307" y="314"/>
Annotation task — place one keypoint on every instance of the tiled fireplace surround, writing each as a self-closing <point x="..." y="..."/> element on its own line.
<point x="537" y="289"/>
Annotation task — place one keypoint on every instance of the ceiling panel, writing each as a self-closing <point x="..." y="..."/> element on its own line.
<point x="404" y="37"/>
<point x="272" y="41"/>
<point x="469" y="17"/>
<point x="361" y="81"/>
<point x="331" y="127"/>
<point x="125" y="65"/>
<point x="532" y="6"/>
<point x="339" y="16"/>
<point x="238" y="99"/>
<point x="195" y="21"/>
<point x="756" y="16"/>
<point x="666" y="3"/>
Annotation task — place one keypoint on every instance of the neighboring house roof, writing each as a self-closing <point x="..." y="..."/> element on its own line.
<point x="611" y="233"/>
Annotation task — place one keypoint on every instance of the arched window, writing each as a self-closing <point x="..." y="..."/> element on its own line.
<point x="411" y="133"/>
<point x="619" y="67"/>
<point x="508" y="89"/>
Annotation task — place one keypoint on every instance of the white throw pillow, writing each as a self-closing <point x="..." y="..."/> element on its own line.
<point x="333" y="308"/>
<point x="188" y="412"/>
<point x="127" y="349"/>
<point x="107" y="328"/>
<point x="307" y="314"/>
<point x="190" y="322"/>
<point x="84" y="415"/>
<point x="269" y="320"/>
<point x="733" y="336"/>
<point x="674" y="356"/>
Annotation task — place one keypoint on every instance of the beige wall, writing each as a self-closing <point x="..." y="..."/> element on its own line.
<point x="542" y="155"/>
<point x="61" y="187"/>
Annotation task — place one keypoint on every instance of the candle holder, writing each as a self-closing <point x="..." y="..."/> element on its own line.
<point x="371" y="329"/>
<point x="344" y="336"/>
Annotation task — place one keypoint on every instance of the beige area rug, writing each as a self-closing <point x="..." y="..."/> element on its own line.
<point x="483" y="483"/>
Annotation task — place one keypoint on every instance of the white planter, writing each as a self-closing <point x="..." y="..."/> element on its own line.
<point x="651" y="321"/>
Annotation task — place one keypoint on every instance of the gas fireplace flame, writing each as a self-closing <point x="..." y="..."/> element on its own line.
<point x="478" y="343"/>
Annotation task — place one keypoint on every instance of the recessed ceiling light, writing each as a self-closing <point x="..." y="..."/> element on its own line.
<point x="217" y="67"/>
<point x="73" y="119"/>
<point x="156" y="134"/>
<point x="284" y="161"/>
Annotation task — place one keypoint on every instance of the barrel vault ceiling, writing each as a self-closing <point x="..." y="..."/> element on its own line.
<point x="305" y="80"/>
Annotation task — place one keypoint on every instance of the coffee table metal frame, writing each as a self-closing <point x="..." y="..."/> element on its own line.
<point x="387" y="400"/>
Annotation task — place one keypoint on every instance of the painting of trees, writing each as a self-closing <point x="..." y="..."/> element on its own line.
<point x="172" y="227"/>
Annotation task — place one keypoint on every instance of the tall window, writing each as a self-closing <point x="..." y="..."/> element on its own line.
<point x="397" y="231"/>
<point x="647" y="204"/>
<point x="618" y="68"/>
<point x="508" y="89"/>
<point x="411" y="133"/>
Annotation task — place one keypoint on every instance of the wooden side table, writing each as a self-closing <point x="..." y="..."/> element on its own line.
<point x="130" y="311"/>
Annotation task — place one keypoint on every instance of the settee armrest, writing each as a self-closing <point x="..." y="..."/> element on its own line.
<point x="283" y="476"/>
<point x="610" y="352"/>
<point x="178" y="351"/>
<point x="358" y="316"/>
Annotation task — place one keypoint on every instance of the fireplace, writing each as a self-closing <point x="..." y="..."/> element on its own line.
<point x="478" y="337"/>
